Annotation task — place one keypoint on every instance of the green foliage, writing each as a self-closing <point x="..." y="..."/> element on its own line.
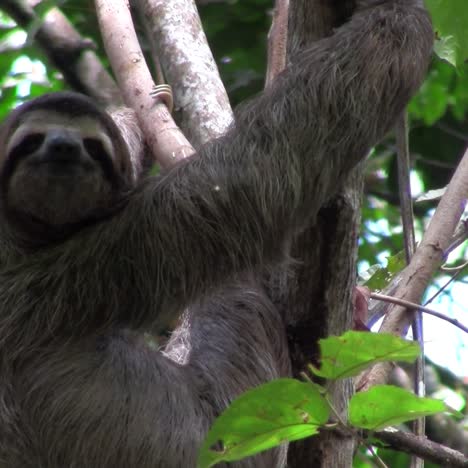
<point x="349" y="354"/>
<point x="378" y="278"/>
<point x="386" y="405"/>
<point x="282" y="410"/>
<point x="241" y="56"/>
<point x="287" y="410"/>
<point x="445" y="48"/>
<point x="450" y="19"/>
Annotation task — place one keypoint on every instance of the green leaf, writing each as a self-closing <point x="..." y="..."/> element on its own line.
<point x="386" y="405"/>
<point x="349" y="354"/>
<point x="382" y="277"/>
<point x="450" y="18"/>
<point x="454" y="400"/>
<point x="445" y="48"/>
<point x="262" y="418"/>
<point x="431" y="195"/>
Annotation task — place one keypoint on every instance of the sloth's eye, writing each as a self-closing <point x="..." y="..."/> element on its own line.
<point x="29" y="144"/>
<point x="95" y="148"/>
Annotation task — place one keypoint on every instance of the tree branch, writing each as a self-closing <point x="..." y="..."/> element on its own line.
<point x="378" y="309"/>
<point x="164" y="138"/>
<point x="316" y="299"/>
<point x="411" y="305"/>
<point x="428" y="257"/>
<point x="422" y="447"/>
<point x="277" y="41"/>
<point x="201" y="102"/>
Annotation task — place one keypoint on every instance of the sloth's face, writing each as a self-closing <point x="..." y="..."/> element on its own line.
<point x="59" y="169"/>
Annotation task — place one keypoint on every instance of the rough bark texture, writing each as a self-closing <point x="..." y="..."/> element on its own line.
<point x="177" y="33"/>
<point x="319" y="298"/>
<point x="166" y="142"/>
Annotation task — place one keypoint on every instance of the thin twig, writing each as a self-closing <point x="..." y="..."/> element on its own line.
<point x="444" y="287"/>
<point x="407" y="218"/>
<point x="456" y="268"/>
<point x="378" y="461"/>
<point x="411" y="305"/>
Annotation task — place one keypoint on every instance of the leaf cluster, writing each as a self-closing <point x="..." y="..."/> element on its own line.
<point x="287" y="409"/>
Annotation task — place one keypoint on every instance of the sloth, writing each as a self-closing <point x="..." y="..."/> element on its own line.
<point x="97" y="260"/>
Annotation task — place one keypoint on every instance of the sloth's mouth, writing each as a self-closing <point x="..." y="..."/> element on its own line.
<point x="62" y="164"/>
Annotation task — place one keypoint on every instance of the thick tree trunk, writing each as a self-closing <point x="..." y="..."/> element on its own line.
<point x="319" y="301"/>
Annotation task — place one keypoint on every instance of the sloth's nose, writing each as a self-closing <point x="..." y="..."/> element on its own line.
<point x="61" y="146"/>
